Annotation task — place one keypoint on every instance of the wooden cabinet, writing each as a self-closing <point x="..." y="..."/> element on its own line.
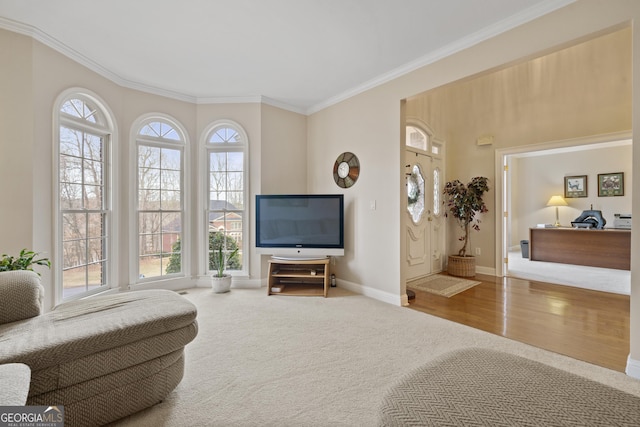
<point x="299" y="277"/>
<point x="608" y="248"/>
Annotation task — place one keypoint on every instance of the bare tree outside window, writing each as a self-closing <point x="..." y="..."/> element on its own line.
<point x="226" y="210"/>
<point x="82" y="200"/>
<point x="160" y="201"/>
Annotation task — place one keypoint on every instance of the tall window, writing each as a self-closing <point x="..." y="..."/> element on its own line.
<point x="84" y="213"/>
<point x="226" y="145"/>
<point x="160" y="201"/>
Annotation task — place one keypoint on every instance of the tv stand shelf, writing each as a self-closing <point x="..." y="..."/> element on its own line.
<point x="299" y="277"/>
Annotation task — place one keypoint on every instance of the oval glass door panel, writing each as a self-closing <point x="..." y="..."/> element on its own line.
<point x="415" y="194"/>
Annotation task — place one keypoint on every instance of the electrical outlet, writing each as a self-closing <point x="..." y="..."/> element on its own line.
<point x="478" y="251"/>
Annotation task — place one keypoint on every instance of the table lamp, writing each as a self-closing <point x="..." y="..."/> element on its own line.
<point x="557" y="201"/>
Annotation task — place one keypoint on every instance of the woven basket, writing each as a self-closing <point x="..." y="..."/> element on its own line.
<point x="461" y="266"/>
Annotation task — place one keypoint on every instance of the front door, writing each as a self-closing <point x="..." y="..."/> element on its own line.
<point x="419" y="202"/>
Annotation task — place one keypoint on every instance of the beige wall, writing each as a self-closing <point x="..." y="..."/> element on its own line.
<point x="16" y="144"/>
<point x="32" y="81"/>
<point x="578" y="91"/>
<point x="369" y="123"/>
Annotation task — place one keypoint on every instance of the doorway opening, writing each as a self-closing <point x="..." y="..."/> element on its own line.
<point x="527" y="178"/>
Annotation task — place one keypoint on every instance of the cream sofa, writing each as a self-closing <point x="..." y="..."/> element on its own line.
<point x="103" y="357"/>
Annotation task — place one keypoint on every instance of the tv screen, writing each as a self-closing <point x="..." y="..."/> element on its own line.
<point x="300" y="225"/>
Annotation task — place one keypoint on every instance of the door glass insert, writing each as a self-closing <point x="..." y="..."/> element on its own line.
<point x="415" y="194"/>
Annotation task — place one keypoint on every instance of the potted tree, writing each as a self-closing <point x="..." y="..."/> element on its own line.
<point x="464" y="203"/>
<point x="221" y="282"/>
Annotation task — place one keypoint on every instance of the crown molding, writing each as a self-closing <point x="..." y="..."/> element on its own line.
<point x="525" y="16"/>
<point x="500" y="27"/>
<point x="36" y="34"/>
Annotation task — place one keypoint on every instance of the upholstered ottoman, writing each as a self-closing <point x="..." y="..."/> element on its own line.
<point x="104" y="357"/>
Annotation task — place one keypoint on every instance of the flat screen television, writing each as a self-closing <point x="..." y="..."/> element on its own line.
<point x="300" y="226"/>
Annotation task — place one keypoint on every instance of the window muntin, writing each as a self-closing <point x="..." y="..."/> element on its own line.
<point x="84" y="213"/>
<point x="160" y="199"/>
<point x="226" y="195"/>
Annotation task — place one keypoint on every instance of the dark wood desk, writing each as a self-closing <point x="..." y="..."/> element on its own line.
<point x="607" y="248"/>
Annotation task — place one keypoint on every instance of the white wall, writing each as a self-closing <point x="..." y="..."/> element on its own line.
<point x="535" y="179"/>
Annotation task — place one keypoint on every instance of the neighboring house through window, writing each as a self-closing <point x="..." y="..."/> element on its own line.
<point x="160" y="198"/>
<point x="226" y="210"/>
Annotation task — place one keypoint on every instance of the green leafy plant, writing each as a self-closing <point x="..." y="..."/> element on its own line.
<point x="25" y="261"/>
<point x="464" y="202"/>
<point x="216" y="240"/>
<point x="220" y="260"/>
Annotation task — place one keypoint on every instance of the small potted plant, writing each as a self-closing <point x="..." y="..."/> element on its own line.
<point x="464" y="203"/>
<point x="221" y="282"/>
<point x="25" y="261"/>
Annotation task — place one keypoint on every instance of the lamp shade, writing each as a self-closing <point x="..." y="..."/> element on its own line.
<point x="557" y="201"/>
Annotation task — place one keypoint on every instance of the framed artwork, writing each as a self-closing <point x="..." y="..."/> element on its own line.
<point x="575" y="186"/>
<point x="610" y="184"/>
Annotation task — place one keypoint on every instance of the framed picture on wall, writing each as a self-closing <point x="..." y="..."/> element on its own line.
<point x="575" y="186"/>
<point x="610" y="184"/>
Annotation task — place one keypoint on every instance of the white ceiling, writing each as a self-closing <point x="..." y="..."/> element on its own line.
<point x="302" y="55"/>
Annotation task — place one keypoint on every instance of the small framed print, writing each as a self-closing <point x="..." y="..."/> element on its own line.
<point x="575" y="186"/>
<point x="610" y="184"/>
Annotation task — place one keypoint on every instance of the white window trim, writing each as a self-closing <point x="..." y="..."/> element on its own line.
<point x="171" y="281"/>
<point x="203" y="241"/>
<point x="111" y="185"/>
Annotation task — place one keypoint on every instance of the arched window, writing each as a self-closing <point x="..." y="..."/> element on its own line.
<point x="84" y="232"/>
<point x="160" y="201"/>
<point x="226" y="211"/>
<point x="416" y="138"/>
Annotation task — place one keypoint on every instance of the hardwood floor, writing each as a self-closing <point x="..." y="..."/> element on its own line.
<point x="584" y="324"/>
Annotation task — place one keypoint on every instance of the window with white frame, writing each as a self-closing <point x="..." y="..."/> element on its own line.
<point x="226" y="211"/>
<point x="416" y="138"/>
<point x="160" y="199"/>
<point x="83" y="206"/>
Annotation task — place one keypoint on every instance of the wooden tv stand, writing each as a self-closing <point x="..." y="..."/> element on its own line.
<point x="298" y="277"/>
<point x="606" y="248"/>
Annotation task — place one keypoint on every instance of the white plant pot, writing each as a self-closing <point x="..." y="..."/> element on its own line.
<point x="221" y="284"/>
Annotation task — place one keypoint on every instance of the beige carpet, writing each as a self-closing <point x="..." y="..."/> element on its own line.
<point x="286" y="361"/>
<point x="490" y="388"/>
<point x="446" y="286"/>
<point x="594" y="278"/>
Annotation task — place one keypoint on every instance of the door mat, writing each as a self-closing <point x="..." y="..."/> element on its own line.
<point x="446" y="286"/>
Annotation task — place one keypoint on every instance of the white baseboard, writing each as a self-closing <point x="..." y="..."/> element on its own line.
<point x="633" y="367"/>
<point x="372" y="293"/>
<point x="237" y="282"/>
<point x="486" y="270"/>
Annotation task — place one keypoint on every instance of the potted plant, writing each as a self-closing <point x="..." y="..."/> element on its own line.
<point x="464" y="203"/>
<point x="221" y="282"/>
<point x="25" y="261"/>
